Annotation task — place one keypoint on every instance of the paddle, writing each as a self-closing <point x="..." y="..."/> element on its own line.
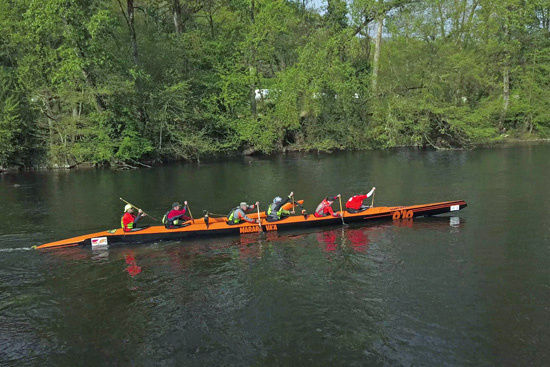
<point x="372" y="204"/>
<point x="153" y="218"/>
<point x="341" y="211"/>
<point x="292" y="196"/>
<point x="191" y="214"/>
<point x="259" y="218"/>
<point x="214" y="214"/>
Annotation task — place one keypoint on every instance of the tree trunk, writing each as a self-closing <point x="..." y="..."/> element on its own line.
<point x="160" y="136"/>
<point x="211" y="23"/>
<point x="505" y="82"/>
<point x="253" y="107"/>
<point x="133" y="39"/>
<point x="441" y="19"/>
<point x="142" y="116"/>
<point x="505" y="95"/>
<point x="48" y="112"/>
<point x="251" y="67"/>
<point x="176" y="12"/>
<point x="376" y="61"/>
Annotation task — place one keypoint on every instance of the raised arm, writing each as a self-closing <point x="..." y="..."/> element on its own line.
<point x="371" y="192"/>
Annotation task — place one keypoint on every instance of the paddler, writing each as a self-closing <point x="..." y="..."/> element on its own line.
<point x="355" y="203"/>
<point x="325" y="208"/>
<point x="237" y="214"/>
<point x="275" y="211"/>
<point x="176" y="216"/>
<point x="129" y="220"/>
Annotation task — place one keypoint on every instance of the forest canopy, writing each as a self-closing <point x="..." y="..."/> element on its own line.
<point x="111" y="81"/>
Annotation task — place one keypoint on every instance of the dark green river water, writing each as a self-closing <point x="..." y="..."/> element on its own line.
<point x="467" y="290"/>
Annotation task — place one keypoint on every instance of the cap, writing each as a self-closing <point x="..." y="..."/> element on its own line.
<point x="175" y="203"/>
<point x="243" y="203"/>
<point x="277" y="199"/>
<point x="127" y="207"/>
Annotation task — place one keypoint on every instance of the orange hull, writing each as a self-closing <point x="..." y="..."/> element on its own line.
<point x="219" y="227"/>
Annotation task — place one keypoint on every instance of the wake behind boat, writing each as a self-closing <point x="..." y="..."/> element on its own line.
<point x="219" y="226"/>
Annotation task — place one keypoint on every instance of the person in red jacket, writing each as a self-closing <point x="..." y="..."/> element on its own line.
<point x="176" y="216"/>
<point x="355" y="203"/>
<point x="129" y="220"/>
<point x="325" y="207"/>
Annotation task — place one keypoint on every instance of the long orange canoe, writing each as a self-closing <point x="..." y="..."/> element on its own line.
<point x="219" y="226"/>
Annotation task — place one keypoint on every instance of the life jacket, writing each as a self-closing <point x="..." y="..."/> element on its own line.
<point x="231" y="216"/>
<point x="129" y="225"/>
<point x="320" y="208"/>
<point x="270" y="211"/>
<point x="170" y="222"/>
<point x="165" y="218"/>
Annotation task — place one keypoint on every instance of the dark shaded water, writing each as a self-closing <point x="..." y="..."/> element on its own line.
<point x="466" y="291"/>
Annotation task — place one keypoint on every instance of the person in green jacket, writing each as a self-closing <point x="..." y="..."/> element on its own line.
<point x="276" y="212"/>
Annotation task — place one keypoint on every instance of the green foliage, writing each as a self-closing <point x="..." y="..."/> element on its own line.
<point x="452" y="73"/>
<point x="132" y="146"/>
<point x="17" y="138"/>
<point x="8" y="129"/>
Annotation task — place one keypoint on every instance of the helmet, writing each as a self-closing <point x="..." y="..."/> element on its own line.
<point x="127" y="207"/>
<point x="243" y="204"/>
<point x="277" y="200"/>
<point x="175" y="204"/>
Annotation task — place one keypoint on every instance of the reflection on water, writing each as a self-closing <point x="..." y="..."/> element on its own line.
<point x="464" y="290"/>
<point x="454" y="221"/>
<point x="133" y="269"/>
<point x="356" y="239"/>
<point x="359" y="239"/>
<point x="100" y="253"/>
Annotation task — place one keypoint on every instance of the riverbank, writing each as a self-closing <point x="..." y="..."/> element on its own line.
<point x="505" y="141"/>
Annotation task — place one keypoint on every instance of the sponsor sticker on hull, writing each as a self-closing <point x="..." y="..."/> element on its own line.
<point x="99" y="241"/>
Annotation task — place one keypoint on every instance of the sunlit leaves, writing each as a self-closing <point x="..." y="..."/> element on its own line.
<point x="73" y="93"/>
